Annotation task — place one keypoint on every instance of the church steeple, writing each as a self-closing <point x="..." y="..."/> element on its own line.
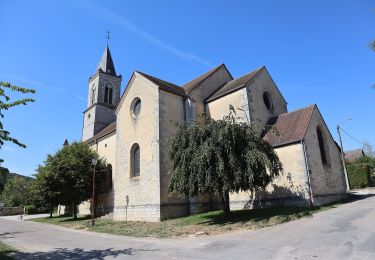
<point x="106" y="63"/>
<point x="103" y="96"/>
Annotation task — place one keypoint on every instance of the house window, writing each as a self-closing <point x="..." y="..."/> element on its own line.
<point x="109" y="177"/>
<point x="135" y="154"/>
<point x="267" y="101"/>
<point x="136" y="107"/>
<point x="322" y="147"/>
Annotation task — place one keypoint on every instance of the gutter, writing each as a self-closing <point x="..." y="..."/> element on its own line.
<point x="307" y="173"/>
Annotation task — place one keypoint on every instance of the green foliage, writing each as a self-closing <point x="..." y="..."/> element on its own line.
<point x="32" y="209"/>
<point x="3" y="178"/>
<point x="5" y="104"/>
<point x="220" y="156"/>
<point x="372" y="45"/>
<point x="16" y="192"/>
<point x="361" y="172"/>
<point x="66" y="177"/>
<point x="358" y="175"/>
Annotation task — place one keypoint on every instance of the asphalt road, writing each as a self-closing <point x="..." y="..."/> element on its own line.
<point x="346" y="232"/>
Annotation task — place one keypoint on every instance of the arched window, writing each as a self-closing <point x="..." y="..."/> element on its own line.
<point x="110" y="95"/>
<point x="109" y="177"/>
<point x="106" y="95"/>
<point x="137" y="107"/>
<point x="93" y="95"/>
<point x="268" y="101"/>
<point x="135" y="160"/>
<point x="321" y="145"/>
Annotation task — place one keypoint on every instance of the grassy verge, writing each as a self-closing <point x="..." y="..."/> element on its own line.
<point x="212" y="222"/>
<point x="5" y="250"/>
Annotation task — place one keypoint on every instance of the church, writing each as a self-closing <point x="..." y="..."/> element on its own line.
<point x="131" y="129"/>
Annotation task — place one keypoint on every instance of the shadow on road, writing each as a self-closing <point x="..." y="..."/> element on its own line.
<point x="77" y="253"/>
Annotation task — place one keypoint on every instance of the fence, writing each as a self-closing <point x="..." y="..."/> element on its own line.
<point x="8" y="211"/>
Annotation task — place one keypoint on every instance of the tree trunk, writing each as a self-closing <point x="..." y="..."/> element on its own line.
<point x="225" y="201"/>
<point x="74" y="211"/>
<point x="50" y="212"/>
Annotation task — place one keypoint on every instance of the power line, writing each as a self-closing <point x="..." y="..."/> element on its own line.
<point x="354" y="137"/>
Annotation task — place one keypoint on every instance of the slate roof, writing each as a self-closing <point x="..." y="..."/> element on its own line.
<point x="111" y="128"/>
<point x="106" y="63"/>
<point x="234" y="85"/>
<point x="289" y="127"/>
<point x="191" y="85"/>
<point x="352" y="155"/>
<point x="165" y="85"/>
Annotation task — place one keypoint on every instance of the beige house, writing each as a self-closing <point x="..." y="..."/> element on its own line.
<point x="131" y="132"/>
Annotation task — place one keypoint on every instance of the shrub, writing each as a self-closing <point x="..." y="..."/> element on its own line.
<point x="358" y="175"/>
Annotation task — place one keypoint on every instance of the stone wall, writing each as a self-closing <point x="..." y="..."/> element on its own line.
<point x="171" y="109"/>
<point x="219" y="108"/>
<point x="138" y="198"/>
<point x="259" y="114"/>
<point x="290" y="188"/>
<point x="106" y="149"/>
<point x="327" y="180"/>
<point x="209" y="86"/>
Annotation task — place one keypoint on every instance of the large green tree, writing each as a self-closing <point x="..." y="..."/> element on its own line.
<point x="5" y="104"/>
<point x="67" y="177"/>
<point x="45" y="189"/>
<point x="219" y="157"/>
<point x="16" y="192"/>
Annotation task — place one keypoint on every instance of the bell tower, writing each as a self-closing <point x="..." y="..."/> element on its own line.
<point x="103" y="97"/>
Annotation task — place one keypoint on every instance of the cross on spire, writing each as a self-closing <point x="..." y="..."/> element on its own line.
<point x="108" y="37"/>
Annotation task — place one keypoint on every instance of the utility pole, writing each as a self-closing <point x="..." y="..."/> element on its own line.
<point x="343" y="159"/>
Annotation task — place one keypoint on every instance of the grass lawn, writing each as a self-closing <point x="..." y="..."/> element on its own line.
<point x="5" y="250"/>
<point x="212" y="222"/>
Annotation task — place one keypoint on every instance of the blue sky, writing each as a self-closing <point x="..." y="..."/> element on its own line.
<point x="316" y="51"/>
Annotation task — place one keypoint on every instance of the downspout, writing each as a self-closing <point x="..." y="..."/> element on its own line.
<point x="307" y="173"/>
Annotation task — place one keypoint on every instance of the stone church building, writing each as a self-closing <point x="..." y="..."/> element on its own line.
<point x="130" y="130"/>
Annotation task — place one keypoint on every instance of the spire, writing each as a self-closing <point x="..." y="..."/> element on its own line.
<point x="106" y="63"/>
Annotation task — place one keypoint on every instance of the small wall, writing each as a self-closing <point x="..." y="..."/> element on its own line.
<point x="9" y="211"/>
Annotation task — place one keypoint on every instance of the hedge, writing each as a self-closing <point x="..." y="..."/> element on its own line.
<point x="358" y="175"/>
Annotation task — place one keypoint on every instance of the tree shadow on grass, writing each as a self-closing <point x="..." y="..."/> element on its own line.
<point x="281" y="213"/>
<point x="78" y="253"/>
<point x="258" y="215"/>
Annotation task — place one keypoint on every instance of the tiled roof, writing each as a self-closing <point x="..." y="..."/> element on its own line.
<point x="188" y="87"/>
<point x="106" y="131"/>
<point x="165" y="85"/>
<point x="288" y="127"/>
<point x="234" y="85"/>
<point x="352" y="155"/>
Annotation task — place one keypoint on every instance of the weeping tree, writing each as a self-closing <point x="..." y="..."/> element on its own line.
<point x="219" y="157"/>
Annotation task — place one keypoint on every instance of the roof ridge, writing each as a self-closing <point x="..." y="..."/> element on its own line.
<point x="200" y="79"/>
<point x="164" y="85"/>
<point x="148" y="75"/>
<point x="255" y="72"/>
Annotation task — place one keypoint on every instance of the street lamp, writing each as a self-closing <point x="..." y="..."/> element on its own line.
<point x="338" y="127"/>
<point x="93" y="162"/>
